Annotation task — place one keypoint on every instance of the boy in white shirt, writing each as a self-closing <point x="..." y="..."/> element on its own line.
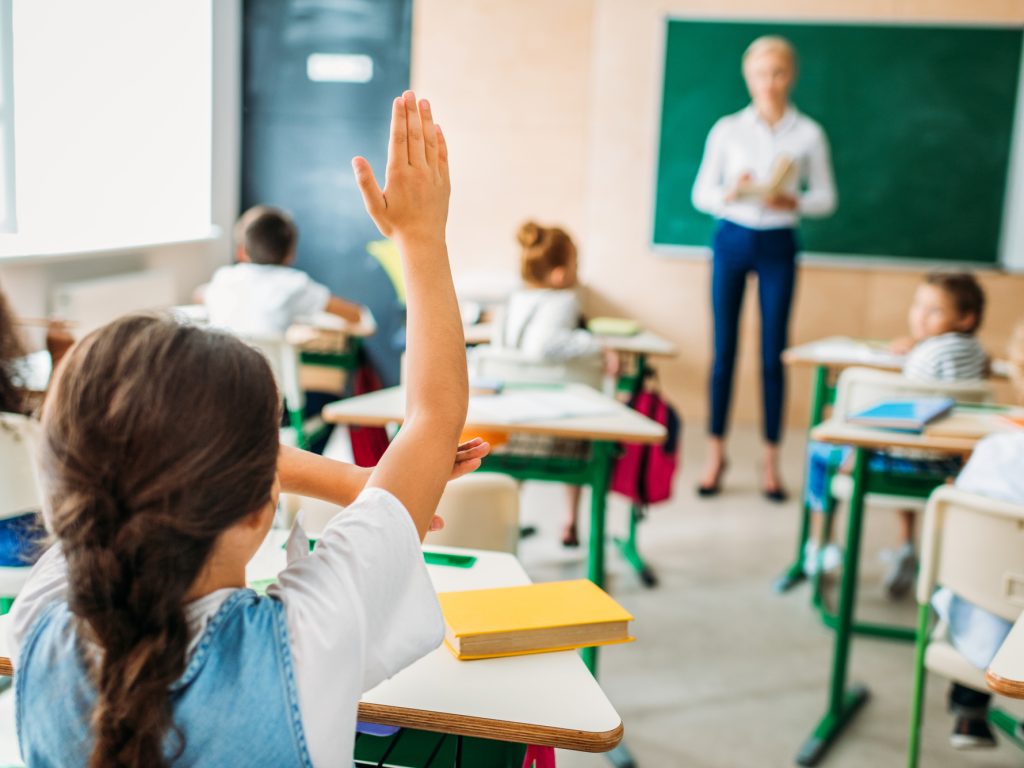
<point x="262" y="294"/>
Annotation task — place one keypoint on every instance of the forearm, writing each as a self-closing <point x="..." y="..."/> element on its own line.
<point x="437" y="388"/>
<point x="344" y="309"/>
<point x="307" y="474"/>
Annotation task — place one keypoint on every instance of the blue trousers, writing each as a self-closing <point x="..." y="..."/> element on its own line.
<point x="771" y="255"/>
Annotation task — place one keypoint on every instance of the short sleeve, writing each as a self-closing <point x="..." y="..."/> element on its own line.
<point x="361" y="607"/>
<point x="996" y="468"/>
<point x="47" y="583"/>
<point x="309" y="298"/>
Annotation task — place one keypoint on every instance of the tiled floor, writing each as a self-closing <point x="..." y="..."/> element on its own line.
<point x="725" y="673"/>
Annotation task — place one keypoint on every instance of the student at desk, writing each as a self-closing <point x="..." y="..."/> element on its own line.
<point x="995" y="469"/>
<point x="543" y="319"/>
<point x="135" y="640"/>
<point x="943" y="318"/>
<point x="262" y="294"/>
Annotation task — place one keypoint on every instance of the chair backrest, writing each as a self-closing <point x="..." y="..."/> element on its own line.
<point x="480" y="511"/>
<point x="974" y="545"/>
<point x="489" y="362"/>
<point x="284" y="362"/>
<point x="860" y="388"/>
<point x="20" y="491"/>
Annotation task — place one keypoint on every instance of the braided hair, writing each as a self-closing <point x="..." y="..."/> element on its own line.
<point x="157" y="438"/>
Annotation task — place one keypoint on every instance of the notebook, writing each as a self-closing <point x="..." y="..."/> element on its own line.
<point x="908" y="414"/>
<point x="536" y="618"/>
<point x="613" y="326"/>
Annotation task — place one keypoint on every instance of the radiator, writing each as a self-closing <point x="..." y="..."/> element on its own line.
<point x="92" y="303"/>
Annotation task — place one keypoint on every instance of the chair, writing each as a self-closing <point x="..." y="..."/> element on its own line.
<point x="480" y="511"/>
<point x="20" y="490"/>
<point x="284" y="362"/>
<point x="860" y="388"/>
<point x="972" y="545"/>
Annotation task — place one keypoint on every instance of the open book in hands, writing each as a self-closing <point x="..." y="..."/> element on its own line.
<point x="780" y="177"/>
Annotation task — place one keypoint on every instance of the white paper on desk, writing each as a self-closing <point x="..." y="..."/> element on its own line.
<point x="856" y="350"/>
<point x="536" y="405"/>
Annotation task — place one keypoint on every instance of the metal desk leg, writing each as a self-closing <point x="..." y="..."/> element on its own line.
<point x="601" y="454"/>
<point x="628" y="550"/>
<point x="821" y="394"/>
<point x="843" y="703"/>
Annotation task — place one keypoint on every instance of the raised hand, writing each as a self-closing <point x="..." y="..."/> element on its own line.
<point x="414" y="201"/>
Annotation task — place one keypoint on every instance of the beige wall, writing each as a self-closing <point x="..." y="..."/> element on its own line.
<point x="551" y="108"/>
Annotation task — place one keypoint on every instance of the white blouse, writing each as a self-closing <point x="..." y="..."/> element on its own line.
<point x="744" y="143"/>
<point x="359" y="608"/>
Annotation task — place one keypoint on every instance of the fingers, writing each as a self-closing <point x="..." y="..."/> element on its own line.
<point x="398" y="144"/>
<point x="442" y="153"/>
<point x="436" y="523"/>
<point x="414" y="129"/>
<point x="429" y="134"/>
<point x="477" y="451"/>
<point x="470" y="443"/>
<point x="463" y="468"/>
<point x="373" y="198"/>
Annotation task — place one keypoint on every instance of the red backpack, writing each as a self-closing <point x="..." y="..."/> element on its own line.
<point x="644" y="473"/>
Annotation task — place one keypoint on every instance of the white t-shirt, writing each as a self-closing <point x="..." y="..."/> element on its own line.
<point x="262" y="299"/>
<point x="360" y="608"/>
<point x="543" y="323"/>
<point x="947" y="357"/>
<point x="996" y="470"/>
<point x="744" y="143"/>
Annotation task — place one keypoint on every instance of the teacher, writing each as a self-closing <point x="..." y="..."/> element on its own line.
<point x="764" y="168"/>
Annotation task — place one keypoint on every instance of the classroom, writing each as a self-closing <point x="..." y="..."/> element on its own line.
<point x="687" y="335"/>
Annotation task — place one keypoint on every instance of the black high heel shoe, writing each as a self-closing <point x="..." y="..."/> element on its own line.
<point x="706" y="491"/>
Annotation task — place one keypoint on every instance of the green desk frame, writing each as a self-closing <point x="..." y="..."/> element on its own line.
<point x="346" y="360"/>
<point x="426" y="749"/>
<point x="844" y="701"/>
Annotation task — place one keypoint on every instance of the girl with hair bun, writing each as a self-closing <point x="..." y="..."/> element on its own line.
<point x="136" y="641"/>
<point x="543" y="319"/>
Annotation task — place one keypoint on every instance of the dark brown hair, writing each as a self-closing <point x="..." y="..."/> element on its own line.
<point x="11" y="348"/>
<point x="544" y="250"/>
<point x="965" y="291"/>
<point x="267" y="234"/>
<point x="157" y="438"/>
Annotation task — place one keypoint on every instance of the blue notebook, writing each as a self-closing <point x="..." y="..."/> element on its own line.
<point x="908" y="414"/>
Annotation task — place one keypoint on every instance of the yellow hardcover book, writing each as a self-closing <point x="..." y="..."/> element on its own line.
<point x="536" y="618"/>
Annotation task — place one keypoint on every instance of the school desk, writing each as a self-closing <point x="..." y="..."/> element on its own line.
<point x="548" y="699"/>
<point x="1005" y="674"/>
<point x="957" y="437"/>
<point x="826" y="358"/>
<point x="328" y="345"/>
<point x="637" y="347"/>
<point x="617" y="424"/>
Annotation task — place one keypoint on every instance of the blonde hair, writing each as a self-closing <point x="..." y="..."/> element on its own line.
<point x="545" y="249"/>
<point x="770" y="43"/>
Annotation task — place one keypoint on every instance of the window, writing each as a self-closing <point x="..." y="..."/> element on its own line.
<point x="112" y="123"/>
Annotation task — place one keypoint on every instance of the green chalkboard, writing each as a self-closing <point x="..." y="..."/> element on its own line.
<point x="920" y="121"/>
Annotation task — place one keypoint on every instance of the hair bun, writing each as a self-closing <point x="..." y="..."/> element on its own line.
<point x="529" y="234"/>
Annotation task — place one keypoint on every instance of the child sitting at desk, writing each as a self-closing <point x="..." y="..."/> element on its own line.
<point x="262" y="294"/>
<point x="11" y="351"/>
<point x="135" y="640"/>
<point x="944" y="316"/>
<point x="543" y="319"/>
<point x="996" y="470"/>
